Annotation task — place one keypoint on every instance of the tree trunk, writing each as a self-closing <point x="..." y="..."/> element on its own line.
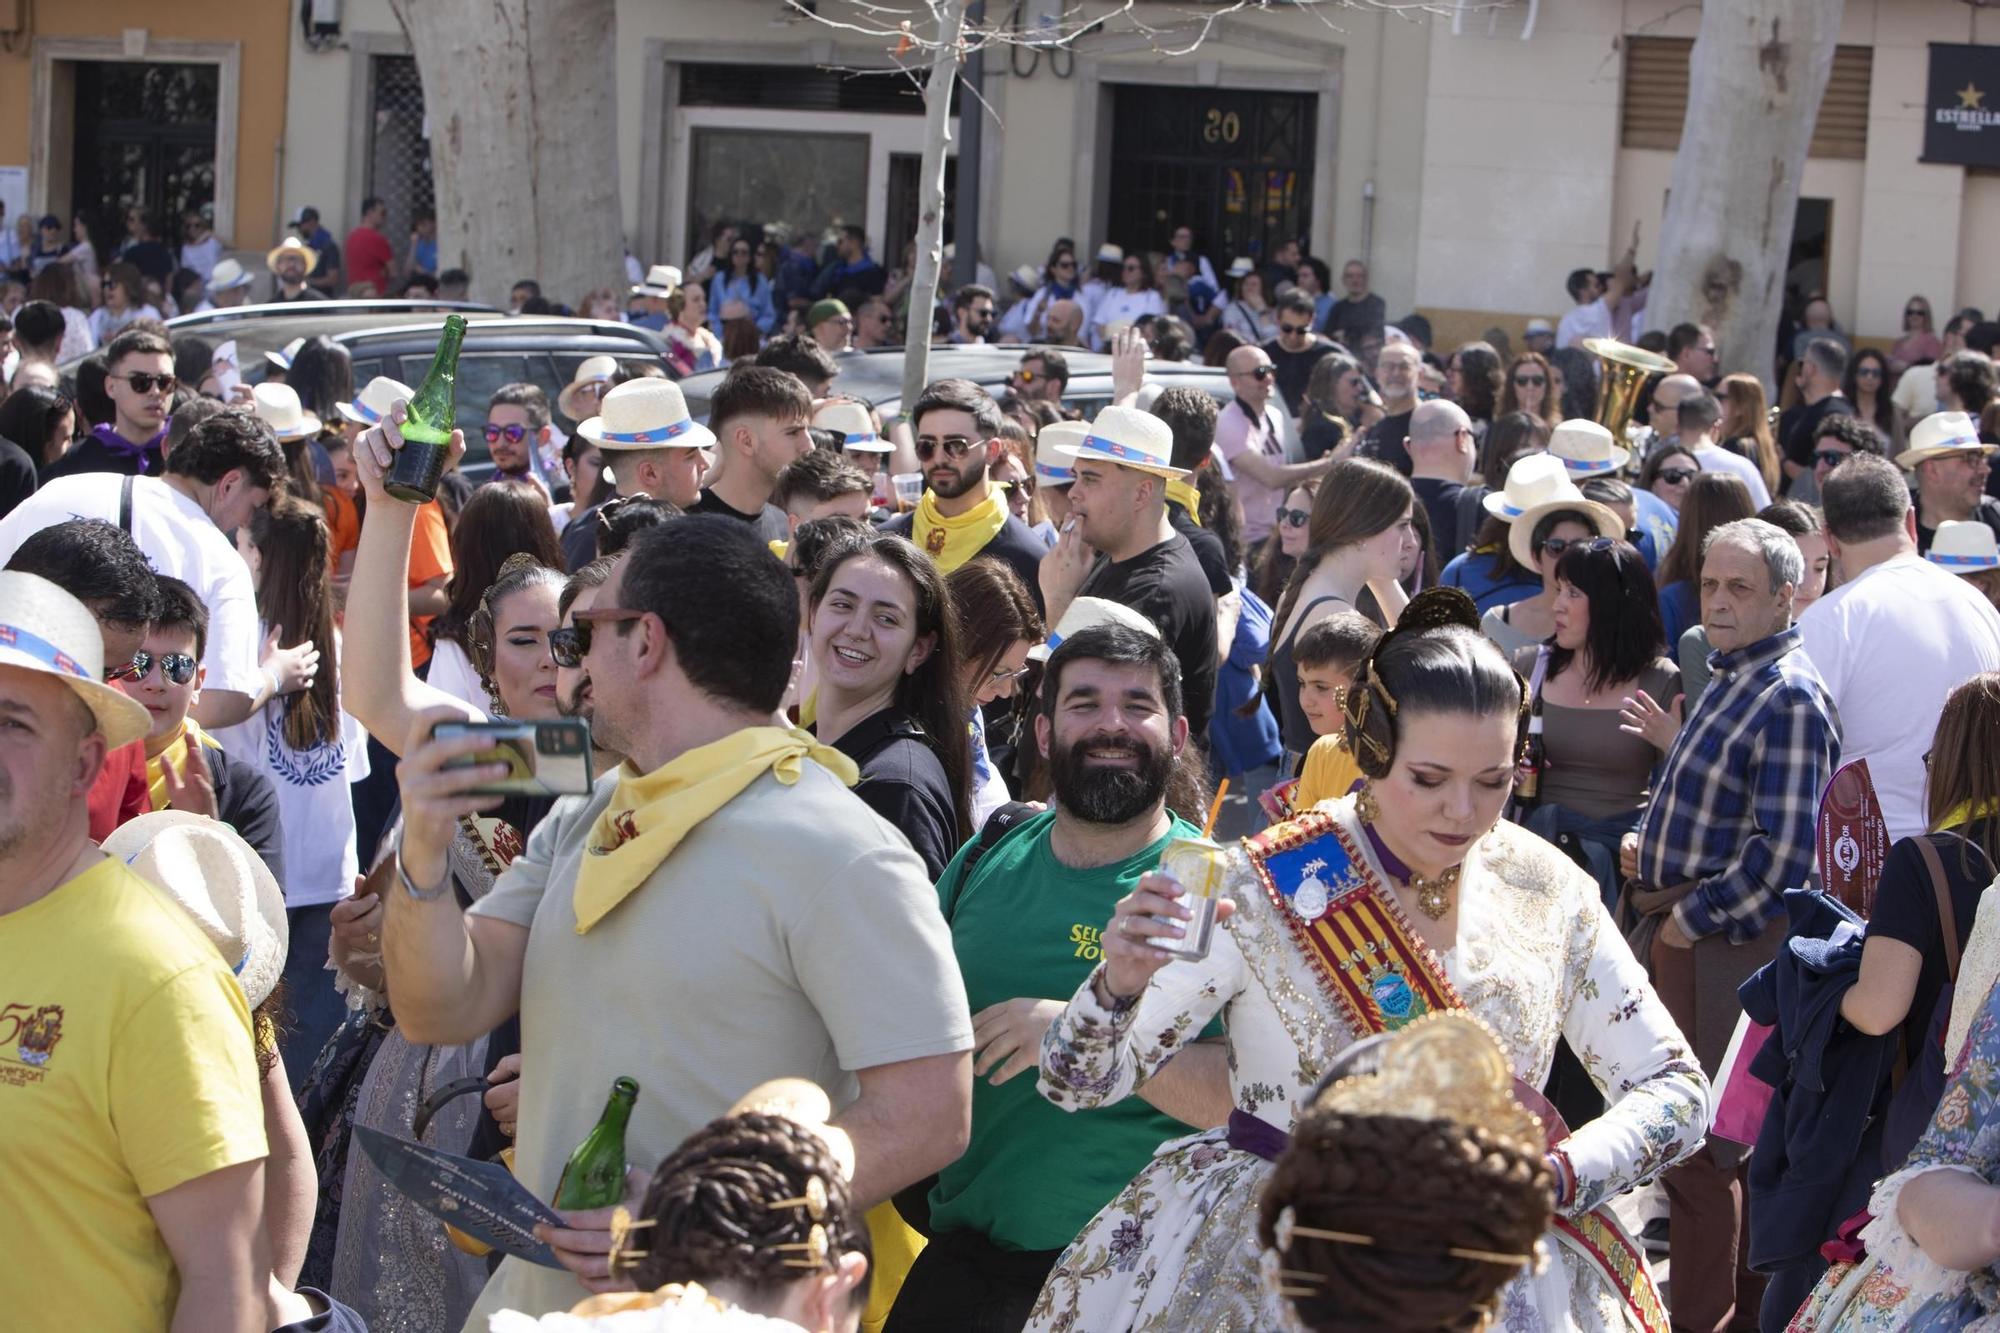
<point x="1755" y="78"/>
<point x="930" y="225"/>
<point x="521" y="99"/>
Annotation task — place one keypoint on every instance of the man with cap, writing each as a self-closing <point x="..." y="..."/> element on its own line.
<point x="1588" y="453"/>
<point x="1951" y="466"/>
<point x="831" y="325"/>
<point x="594" y="376"/>
<point x="1119" y="544"/>
<point x="326" y="272"/>
<point x="1055" y="466"/>
<point x="228" y="285"/>
<point x="963" y="514"/>
<point x="1539" y="337"/>
<point x="291" y="261"/>
<point x="129" y="1092"/>
<point x="662" y="281"/>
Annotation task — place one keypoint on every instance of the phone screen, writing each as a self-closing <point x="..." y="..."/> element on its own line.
<point x="543" y="758"/>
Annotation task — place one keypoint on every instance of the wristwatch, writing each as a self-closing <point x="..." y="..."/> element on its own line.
<point x="429" y="895"/>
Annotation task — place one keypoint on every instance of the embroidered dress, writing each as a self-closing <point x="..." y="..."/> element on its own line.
<point x="1537" y="958"/>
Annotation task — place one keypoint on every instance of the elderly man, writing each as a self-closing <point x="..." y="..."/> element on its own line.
<point x="1359" y="314"/>
<point x="1396" y="371"/>
<point x="1251" y="439"/>
<point x="1730" y="828"/>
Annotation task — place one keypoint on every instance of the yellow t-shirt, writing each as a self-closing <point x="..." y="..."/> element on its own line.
<point x="1329" y="773"/>
<point x="126" y="1069"/>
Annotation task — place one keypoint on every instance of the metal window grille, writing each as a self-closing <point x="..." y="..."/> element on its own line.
<point x="399" y="145"/>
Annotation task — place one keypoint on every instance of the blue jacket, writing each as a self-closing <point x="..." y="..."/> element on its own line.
<point x="1473" y="571"/>
<point x="1819" y="1150"/>
<point x="753" y="291"/>
<point x="1239" y="744"/>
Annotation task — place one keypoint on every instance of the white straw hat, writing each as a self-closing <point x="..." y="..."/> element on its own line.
<point x="661" y="280"/>
<point x="1939" y="434"/>
<point x="43" y="628"/>
<point x="1027" y="277"/>
<point x="1130" y="438"/>
<point x="854" y="424"/>
<point x="1110" y="254"/>
<point x="279" y="406"/>
<point x="1055" y="451"/>
<point x="1964" y="547"/>
<point x="592" y="370"/>
<point x="1088" y="613"/>
<point x="291" y="245"/>
<point x="283" y="359"/>
<point x="1240" y="267"/>
<point x="1536" y="486"/>
<point x="646" y="413"/>
<point x="214" y="876"/>
<point x="374" y="401"/>
<point x="227" y="276"/>
<point x="1587" y="449"/>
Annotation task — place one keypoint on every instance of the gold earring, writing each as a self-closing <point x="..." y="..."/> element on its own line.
<point x="1366" y="806"/>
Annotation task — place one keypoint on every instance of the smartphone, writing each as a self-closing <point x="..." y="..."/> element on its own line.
<point x="542" y="758"/>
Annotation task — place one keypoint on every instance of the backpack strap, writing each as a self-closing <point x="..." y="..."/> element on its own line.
<point x="998" y="825"/>
<point x="125" y="507"/>
<point x="1947" y="919"/>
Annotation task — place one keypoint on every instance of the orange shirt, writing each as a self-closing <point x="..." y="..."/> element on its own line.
<point x="120" y="792"/>
<point x="430" y="556"/>
<point x="343" y="522"/>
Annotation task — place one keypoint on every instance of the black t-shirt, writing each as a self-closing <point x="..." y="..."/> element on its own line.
<point x="1351" y="321"/>
<point x="1320" y="434"/>
<point x="579" y="538"/>
<point x="1383" y="442"/>
<point x="152" y="259"/>
<point x="1165" y="584"/>
<point x="1295" y="369"/>
<point x="1988" y="513"/>
<point x="904" y="781"/>
<point x="1015" y="546"/>
<point x="17" y="476"/>
<point x="1441" y="504"/>
<point x="1906" y="910"/>
<point x="769" y="522"/>
<point x="90" y="454"/>
<point x="1799" y="426"/>
<point x="1208" y="549"/>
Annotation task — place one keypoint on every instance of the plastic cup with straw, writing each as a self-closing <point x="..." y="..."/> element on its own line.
<point x="1196" y="865"/>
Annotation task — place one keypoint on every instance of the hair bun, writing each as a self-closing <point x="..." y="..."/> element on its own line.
<point x="1438" y="608"/>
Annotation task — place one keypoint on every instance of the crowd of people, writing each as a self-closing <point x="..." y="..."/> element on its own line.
<point x="891" y="724"/>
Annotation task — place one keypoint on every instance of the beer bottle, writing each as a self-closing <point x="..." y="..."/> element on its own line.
<point x="595" y="1174"/>
<point x="1528" y="779"/>
<point x="427" y="430"/>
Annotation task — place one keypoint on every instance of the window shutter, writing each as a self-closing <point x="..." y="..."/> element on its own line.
<point x="1656" y="93"/>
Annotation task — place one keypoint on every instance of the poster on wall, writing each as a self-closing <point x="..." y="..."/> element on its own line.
<point x="1962" y="109"/>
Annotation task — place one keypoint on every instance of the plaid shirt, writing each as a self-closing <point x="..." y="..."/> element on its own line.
<point x="1736" y="806"/>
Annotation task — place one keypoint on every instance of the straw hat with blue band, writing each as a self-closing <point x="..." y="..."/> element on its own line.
<point x="227" y="276"/>
<point x="43" y="628"/>
<point x="1130" y="438"/>
<point x="1964" y="547"/>
<point x="854" y="424"/>
<point x="214" y="876"/>
<point x="1055" y="446"/>
<point x="1941" y="434"/>
<point x="647" y="413"/>
<point x="593" y="372"/>
<point x="1587" y="449"/>
<point x="282" y="358"/>
<point x="1088" y="613"/>
<point x="1536" y="486"/>
<point x="374" y="401"/>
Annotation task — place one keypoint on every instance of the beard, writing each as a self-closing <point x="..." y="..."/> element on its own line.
<point x="969" y="474"/>
<point x="1102" y="794"/>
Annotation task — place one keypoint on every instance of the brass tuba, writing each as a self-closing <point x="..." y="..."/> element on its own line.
<point x="1622" y="371"/>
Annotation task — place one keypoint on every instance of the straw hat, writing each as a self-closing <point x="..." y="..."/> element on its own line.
<point x="214" y="876"/>
<point x="855" y="425"/>
<point x="279" y="405"/>
<point x="1536" y="486"/>
<point x="593" y="370"/>
<point x="43" y="628"/>
<point x="291" y="245"/>
<point x="1587" y="449"/>
<point x="645" y="413"/>
<point x="374" y="401"/>
<point x="1027" y="278"/>
<point x="1088" y="613"/>
<point x="1240" y="266"/>
<point x="1540" y="327"/>
<point x="1964" y="548"/>
<point x="1110" y="254"/>
<point x="661" y="280"/>
<point x="282" y="358"/>
<point x="1129" y="438"/>
<point x="1940" y="434"/>
<point x="227" y="276"/>
<point x="1055" y="450"/>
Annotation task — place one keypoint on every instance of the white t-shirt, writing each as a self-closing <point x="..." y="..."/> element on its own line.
<point x="1890" y="645"/>
<point x="1584" y="321"/>
<point x="181" y="541"/>
<point x="452" y="671"/>
<point x="1916" y="392"/>
<point x="315" y="808"/>
<point x="202" y="256"/>
<point x="1123" y="305"/>
<point x="1715" y="458"/>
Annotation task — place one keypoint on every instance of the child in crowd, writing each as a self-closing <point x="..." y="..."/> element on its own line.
<point x="1328" y="653"/>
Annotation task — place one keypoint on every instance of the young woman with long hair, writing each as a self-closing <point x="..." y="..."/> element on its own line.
<point x="1712" y="499"/>
<point x="1530" y="387"/>
<point x="737" y="282"/>
<point x="997" y="625"/>
<point x="1280" y="552"/>
<point x="1473" y="379"/>
<point x="1745" y="427"/>
<point x="1357" y="536"/>
<point x="1337" y="398"/>
<point x="502" y="519"/>
<point x="1868" y="387"/>
<point x="885" y="648"/>
<point x="1668" y="473"/>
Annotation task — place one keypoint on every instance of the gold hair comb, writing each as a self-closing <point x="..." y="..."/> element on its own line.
<point x="1288" y="1228"/>
<point x="816" y="1249"/>
<point x="813" y="1200"/>
<point x="623" y="1224"/>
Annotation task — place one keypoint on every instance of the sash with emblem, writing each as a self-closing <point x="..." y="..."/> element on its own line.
<point x="1381" y="976"/>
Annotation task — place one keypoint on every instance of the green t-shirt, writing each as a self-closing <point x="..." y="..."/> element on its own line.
<point x="1027" y="925"/>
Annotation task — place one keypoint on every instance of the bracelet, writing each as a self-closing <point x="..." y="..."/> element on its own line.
<point x="1565" y="1177"/>
<point x="277" y="687"/>
<point x="429" y="895"/>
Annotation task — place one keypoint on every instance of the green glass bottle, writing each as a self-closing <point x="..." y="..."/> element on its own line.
<point x="595" y="1174"/>
<point x="427" y="430"/>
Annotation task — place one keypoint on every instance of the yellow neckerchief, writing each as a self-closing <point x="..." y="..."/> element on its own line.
<point x="176" y="754"/>
<point x="650" y="814"/>
<point x="1963" y="813"/>
<point x="953" y="540"/>
<point x="1182" y="492"/>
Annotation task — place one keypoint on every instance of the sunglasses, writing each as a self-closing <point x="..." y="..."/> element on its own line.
<point x="1557" y="545"/>
<point x="1531" y="381"/>
<point x="569" y="645"/>
<point x="1830" y="457"/>
<point x="1260" y="372"/>
<point x="176" y="667"/>
<point x="1294" y="328"/>
<point x="1916" y="310"/>
<point x="1065" y="263"/>
<point x="1294" y="518"/>
<point x="515" y="433"/>
<point x="1678" y="476"/>
<point x="954" y="446"/>
<point x="1868" y="372"/>
<point x="141" y="382"/>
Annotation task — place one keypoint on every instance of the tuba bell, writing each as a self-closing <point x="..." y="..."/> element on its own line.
<point x="1622" y="371"/>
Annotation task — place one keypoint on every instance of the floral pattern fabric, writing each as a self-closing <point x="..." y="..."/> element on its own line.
<point x="1537" y="958"/>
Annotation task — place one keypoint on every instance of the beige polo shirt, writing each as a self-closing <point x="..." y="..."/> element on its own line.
<point x="793" y="933"/>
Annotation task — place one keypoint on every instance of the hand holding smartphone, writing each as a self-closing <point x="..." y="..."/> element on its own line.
<point x="549" y="758"/>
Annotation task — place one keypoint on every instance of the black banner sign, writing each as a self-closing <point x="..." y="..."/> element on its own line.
<point x="1962" y="110"/>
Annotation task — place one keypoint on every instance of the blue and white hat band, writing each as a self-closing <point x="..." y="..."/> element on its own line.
<point x="1588" y="466"/>
<point x="35" y="646"/>
<point x="658" y="435"/>
<point x="1124" y="453"/>
<point x="1966" y="561"/>
<point x="1060" y="476"/>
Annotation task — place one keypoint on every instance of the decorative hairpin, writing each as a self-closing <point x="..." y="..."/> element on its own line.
<point x="816" y="1248"/>
<point x="813" y="1200"/>
<point x="1288" y="1227"/>
<point x="623" y="1224"/>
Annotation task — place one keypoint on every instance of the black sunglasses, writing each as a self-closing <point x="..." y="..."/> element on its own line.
<point x="1261" y="372"/>
<point x="141" y="382"/>
<point x="1557" y="545"/>
<point x="1531" y="381"/>
<point x="1830" y="457"/>
<point x="1294" y="518"/>
<point x="569" y="645"/>
<point x="176" y="667"/>
<point x="1675" y="476"/>
<point x="954" y="446"/>
<point x="1294" y="328"/>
